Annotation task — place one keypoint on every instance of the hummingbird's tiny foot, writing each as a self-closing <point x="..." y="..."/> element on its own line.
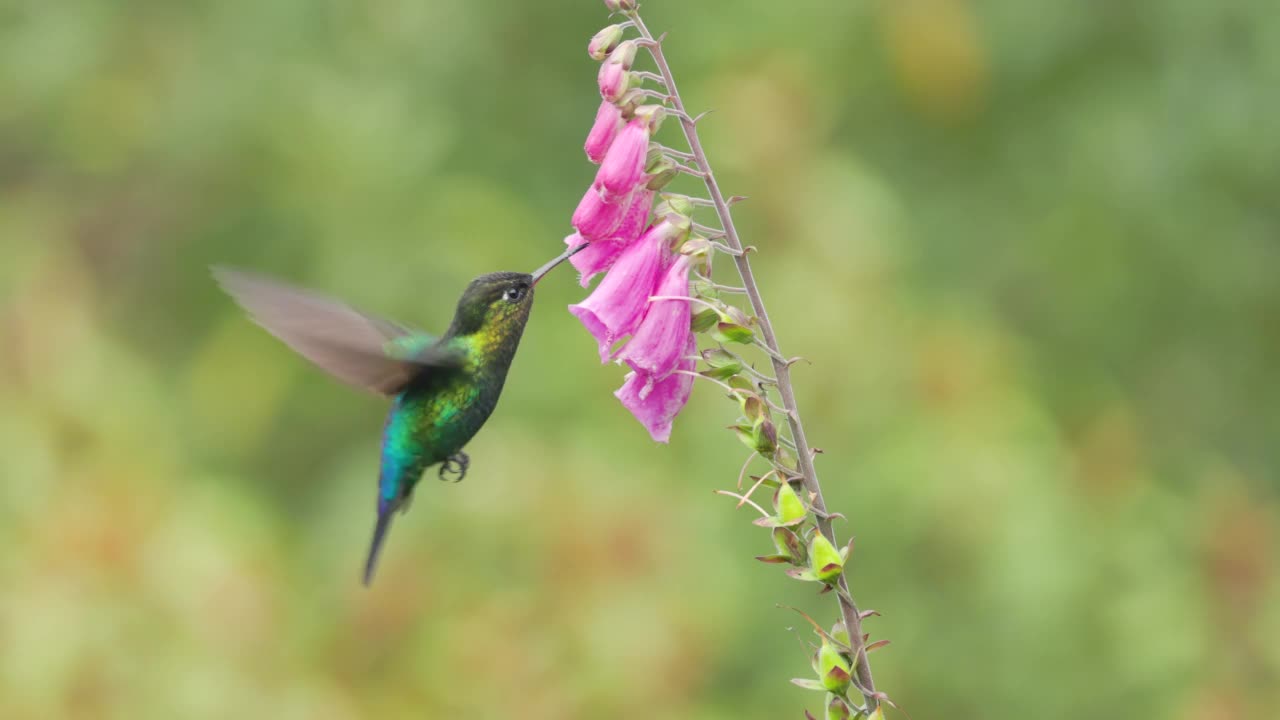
<point x="456" y="465"/>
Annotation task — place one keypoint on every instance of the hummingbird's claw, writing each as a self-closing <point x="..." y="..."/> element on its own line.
<point x="456" y="464"/>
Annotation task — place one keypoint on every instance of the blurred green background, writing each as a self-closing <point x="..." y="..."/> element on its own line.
<point x="1030" y="247"/>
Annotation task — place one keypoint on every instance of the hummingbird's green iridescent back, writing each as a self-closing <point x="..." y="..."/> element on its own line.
<point x="443" y="390"/>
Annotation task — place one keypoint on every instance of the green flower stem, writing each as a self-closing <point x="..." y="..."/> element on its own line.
<point x="782" y="371"/>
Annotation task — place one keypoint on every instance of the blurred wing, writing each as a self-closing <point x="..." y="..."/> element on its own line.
<point x="361" y="350"/>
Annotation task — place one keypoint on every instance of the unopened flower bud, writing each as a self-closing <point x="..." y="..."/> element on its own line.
<point x="614" y="80"/>
<point x="699" y="246"/>
<point x="623" y="54"/>
<point x="653" y="156"/>
<point x="661" y="173"/>
<point x="824" y="559"/>
<point x="620" y="5"/>
<point x="673" y="205"/>
<point x="652" y="115"/>
<point x="630" y="100"/>
<point x="604" y="42"/>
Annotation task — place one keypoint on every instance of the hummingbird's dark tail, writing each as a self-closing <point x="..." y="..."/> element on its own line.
<point x="379" y="535"/>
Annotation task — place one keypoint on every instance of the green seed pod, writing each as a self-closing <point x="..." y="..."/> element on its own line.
<point x="789" y="546"/>
<point x="838" y="708"/>
<point x="824" y="559"/>
<point x="833" y="669"/>
<point x="789" y="506"/>
<point x="764" y="435"/>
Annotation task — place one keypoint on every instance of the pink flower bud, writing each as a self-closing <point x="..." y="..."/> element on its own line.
<point x="596" y="217"/>
<point x="655" y="403"/>
<point x="623" y="166"/>
<point x="618" y="303"/>
<point x="614" y="78"/>
<point x="658" y="343"/>
<point x="603" y="42"/>
<point x="620" y="5"/>
<point x="603" y="131"/>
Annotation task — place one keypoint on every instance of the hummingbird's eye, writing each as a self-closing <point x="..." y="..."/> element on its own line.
<point x="513" y="294"/>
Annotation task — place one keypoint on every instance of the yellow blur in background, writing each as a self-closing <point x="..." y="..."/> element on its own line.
<point x="1030" y="248"/>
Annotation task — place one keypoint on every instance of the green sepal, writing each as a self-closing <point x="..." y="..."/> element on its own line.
<point x="774" y="559"/>
<point x="723" y="373"/>
<point x="704" y="320"/>
<point x="790" y="546"/>
<point x="733" y="333"/>
<point x="764" y="435"/>
<point x="773" y="522"/>
<point x="802" y="574"/>
<point x="807" y="684"/>
<point x="741" y="384"/>
<point x="738" y="317"/>
<point x="722" y="365"/>
<point x="846" y="551"/>
<point x="703" y="288"/>
<point x="753" y="407"/>
<point x="785" y="458"/>
<point x="839" y="634"/>
<point x="745" y="434"/>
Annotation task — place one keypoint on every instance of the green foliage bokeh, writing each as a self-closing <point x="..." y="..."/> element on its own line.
<point x="1029" y="247"/>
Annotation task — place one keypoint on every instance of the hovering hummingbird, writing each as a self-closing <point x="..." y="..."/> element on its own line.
<point x="442" y="389"/>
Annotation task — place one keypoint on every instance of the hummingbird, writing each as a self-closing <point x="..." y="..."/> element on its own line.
<point x="442" y="389"/>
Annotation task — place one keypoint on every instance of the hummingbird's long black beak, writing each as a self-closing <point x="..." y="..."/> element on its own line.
<point x="537" y="274"/>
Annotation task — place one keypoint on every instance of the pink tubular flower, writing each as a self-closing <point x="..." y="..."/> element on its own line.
<point x="597" y="217"/>
<point x="608" y="123"/>
<point x="623" y="166"/>
<point x="596" y="258"/>
<point x="636" y="219"/>
<point x="604" y="251"/>
<point x="655" y="403"/>
<point x="614" y="309"/>
<point x="659" y="341"/>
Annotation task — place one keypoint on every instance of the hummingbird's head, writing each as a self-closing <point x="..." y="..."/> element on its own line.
<point x="495" y="301"/>
<point x="501" y="301"/>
